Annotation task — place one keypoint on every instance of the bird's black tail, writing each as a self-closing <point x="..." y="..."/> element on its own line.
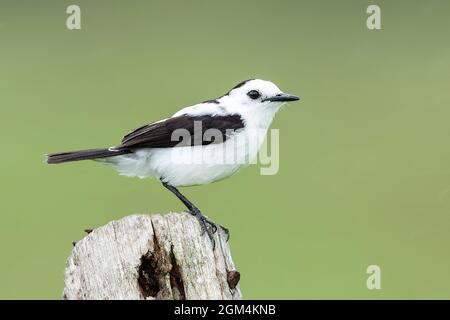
<point x="90" y="154"/>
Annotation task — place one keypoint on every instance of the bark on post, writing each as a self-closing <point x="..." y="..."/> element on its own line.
<point x="151" y="257"/>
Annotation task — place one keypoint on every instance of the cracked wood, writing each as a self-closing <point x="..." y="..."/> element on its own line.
<point x="151" y="257"/>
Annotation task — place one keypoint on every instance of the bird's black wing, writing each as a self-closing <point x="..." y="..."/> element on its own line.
<point x="161" y="134"/>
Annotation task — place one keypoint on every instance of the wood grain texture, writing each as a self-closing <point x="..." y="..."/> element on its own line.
<point x="151" y="257"/>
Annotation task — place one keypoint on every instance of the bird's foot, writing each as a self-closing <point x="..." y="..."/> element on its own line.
<point x="208" y="226"/>
<point x="214" y="226"/>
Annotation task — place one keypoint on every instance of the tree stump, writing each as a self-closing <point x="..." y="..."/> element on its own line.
<point x="151" y="257"/>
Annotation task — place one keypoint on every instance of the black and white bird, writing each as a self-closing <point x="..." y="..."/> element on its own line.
<point x="200" y="144"/>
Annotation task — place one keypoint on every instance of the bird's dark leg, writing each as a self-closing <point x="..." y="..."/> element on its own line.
<point x="204" y="222"/>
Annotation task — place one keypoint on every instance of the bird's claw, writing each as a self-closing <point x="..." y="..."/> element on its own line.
<point x="209" y="227"/>
<point x="206" y="226"/>
<point x="226" y="231"/>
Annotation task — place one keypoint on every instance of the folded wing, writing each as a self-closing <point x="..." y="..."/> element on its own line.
<point x="164" y="134"/>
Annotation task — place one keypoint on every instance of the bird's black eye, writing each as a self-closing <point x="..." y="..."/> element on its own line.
<point x="253" y="94"/>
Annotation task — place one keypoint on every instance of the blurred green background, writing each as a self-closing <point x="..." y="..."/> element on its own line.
<point x="364" y="158"/>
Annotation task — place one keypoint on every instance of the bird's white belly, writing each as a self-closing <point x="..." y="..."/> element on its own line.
<point x="187" y="166"/>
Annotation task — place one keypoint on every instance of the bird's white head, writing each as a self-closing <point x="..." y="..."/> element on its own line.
<point x="255" y="97"/>
<point x="256" y="92"/>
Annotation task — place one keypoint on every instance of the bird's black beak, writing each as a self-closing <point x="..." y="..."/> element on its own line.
<point x="282" y="97"/>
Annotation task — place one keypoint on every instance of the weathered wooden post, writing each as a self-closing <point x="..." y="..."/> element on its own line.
<point x="151" y="257"/>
